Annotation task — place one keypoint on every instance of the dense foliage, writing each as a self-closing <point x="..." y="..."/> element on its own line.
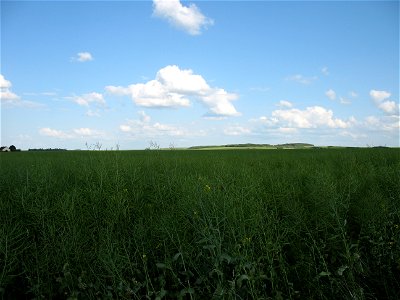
<point x="245" y="224"/>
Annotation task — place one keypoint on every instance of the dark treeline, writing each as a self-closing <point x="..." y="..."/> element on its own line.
<point x="249" y="145"/>
<point x="47" y="149"/>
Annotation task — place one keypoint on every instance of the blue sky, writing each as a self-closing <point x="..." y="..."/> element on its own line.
<point x="199" y="73"/>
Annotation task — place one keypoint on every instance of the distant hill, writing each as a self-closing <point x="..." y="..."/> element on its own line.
<point x="249" y="145"/>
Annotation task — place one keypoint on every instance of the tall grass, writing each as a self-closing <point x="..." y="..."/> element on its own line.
<point x="260" y="224"/>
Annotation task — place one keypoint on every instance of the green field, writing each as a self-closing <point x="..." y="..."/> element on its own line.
<point x="248" y="224"/>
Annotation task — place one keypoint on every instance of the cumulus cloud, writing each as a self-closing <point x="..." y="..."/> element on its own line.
<point x="74" y="133"/>
<point x="331" y="94"/>
<point x="379" y="96"/>
<point x="188" y="18"/>
<point x="5" y="90"/>
<point x="4" y="83"/>
<point x="143" y="127"/>
<point x="389" y="107"/>
<point x="302" y="79"/>
<point x="54" y="133"/>
<point x="10" y="99"/>
<point x="381" y="100"/>
<point x="284" y="103"/>
<point x="311" y="117"/>
<point x="386" y="123"/>
<point x="82" y="57"/>
<point x="173" y="87"/>
<point x="87" y="99"/>
<point x="87" y="132"/>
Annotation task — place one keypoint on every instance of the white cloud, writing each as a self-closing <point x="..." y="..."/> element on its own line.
<point x="302" y="79"/>
<point x="87" y="99"/>
<point x="344" y="100"/>
<point x="237" y="130"/>
<point x="6" y="95"/>
<point x="4" y="83"/>
<point x="284" y="103"/>
<point x="381" y="100"/>
<point x="54" y="133"/>
<point x="144" y="117"/>
<point x="83" y="57"/>
<point x="260" y="89"/>
<point x="379" y="96"/>
<point x="331" y="94"/>
<point x="144" y="128"/>
<point x="10" y="99"/>
<point x="389" y="107"/>
<point x="74" y="133"/>
<point x="386" y="123"/>
<point x="352" y="135"/>
<point x="325" y="71"/>
<point x="87" y="132"/>
<point x="287" y="130"/>
<point x="173" y="87"/>
<point x="189" y="18"/>
<point x="118" y="90"/>
<point x="311" y="117"/>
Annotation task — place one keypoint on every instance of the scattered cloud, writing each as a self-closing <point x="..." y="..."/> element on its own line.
<point x="82" y="57"/>
<point x="331" y="94"/>
<point x="260" y="89"/>
<point x="379" y="96"/>
<point x="311" y="117"/>
<point x="10" y="99"/>
<point x="74" y="133"/>
<point x="325" y="71"/>
<point x="173" y="87"/>
<point x="87" y="132"/>
<point x="386" y="123"/>
<point x="6" y="95"/>
<point x="287" y="130"/>
<point x="54" y="133"/>
<point x="284" y="103"/>
<point x="354" y="136"/>
<point x="87" y="99"/>
<point x="237" y="130"/>
<point x="143" y="127"/>
<point x="344" y="100"/>
<point x="302" y="79"/>
<point x="389" y="107"/>
<point x="381" y="100"/>
<point x="4" y="83"/>
<point x="188" y="18"/>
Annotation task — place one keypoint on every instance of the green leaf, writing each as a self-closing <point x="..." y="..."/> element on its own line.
<point x="341" y="270"/>
<point x="176" y="256"/>
<point x="161" y="265"/>
<point x="241" y="278"/>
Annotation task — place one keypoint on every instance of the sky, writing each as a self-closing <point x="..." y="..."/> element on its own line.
<point x="123" y="74"/>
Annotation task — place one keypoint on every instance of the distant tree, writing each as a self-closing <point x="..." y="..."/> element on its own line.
<point x="12" y="148"/>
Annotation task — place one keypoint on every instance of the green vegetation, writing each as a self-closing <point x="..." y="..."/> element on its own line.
<point x="249" y="224"/>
